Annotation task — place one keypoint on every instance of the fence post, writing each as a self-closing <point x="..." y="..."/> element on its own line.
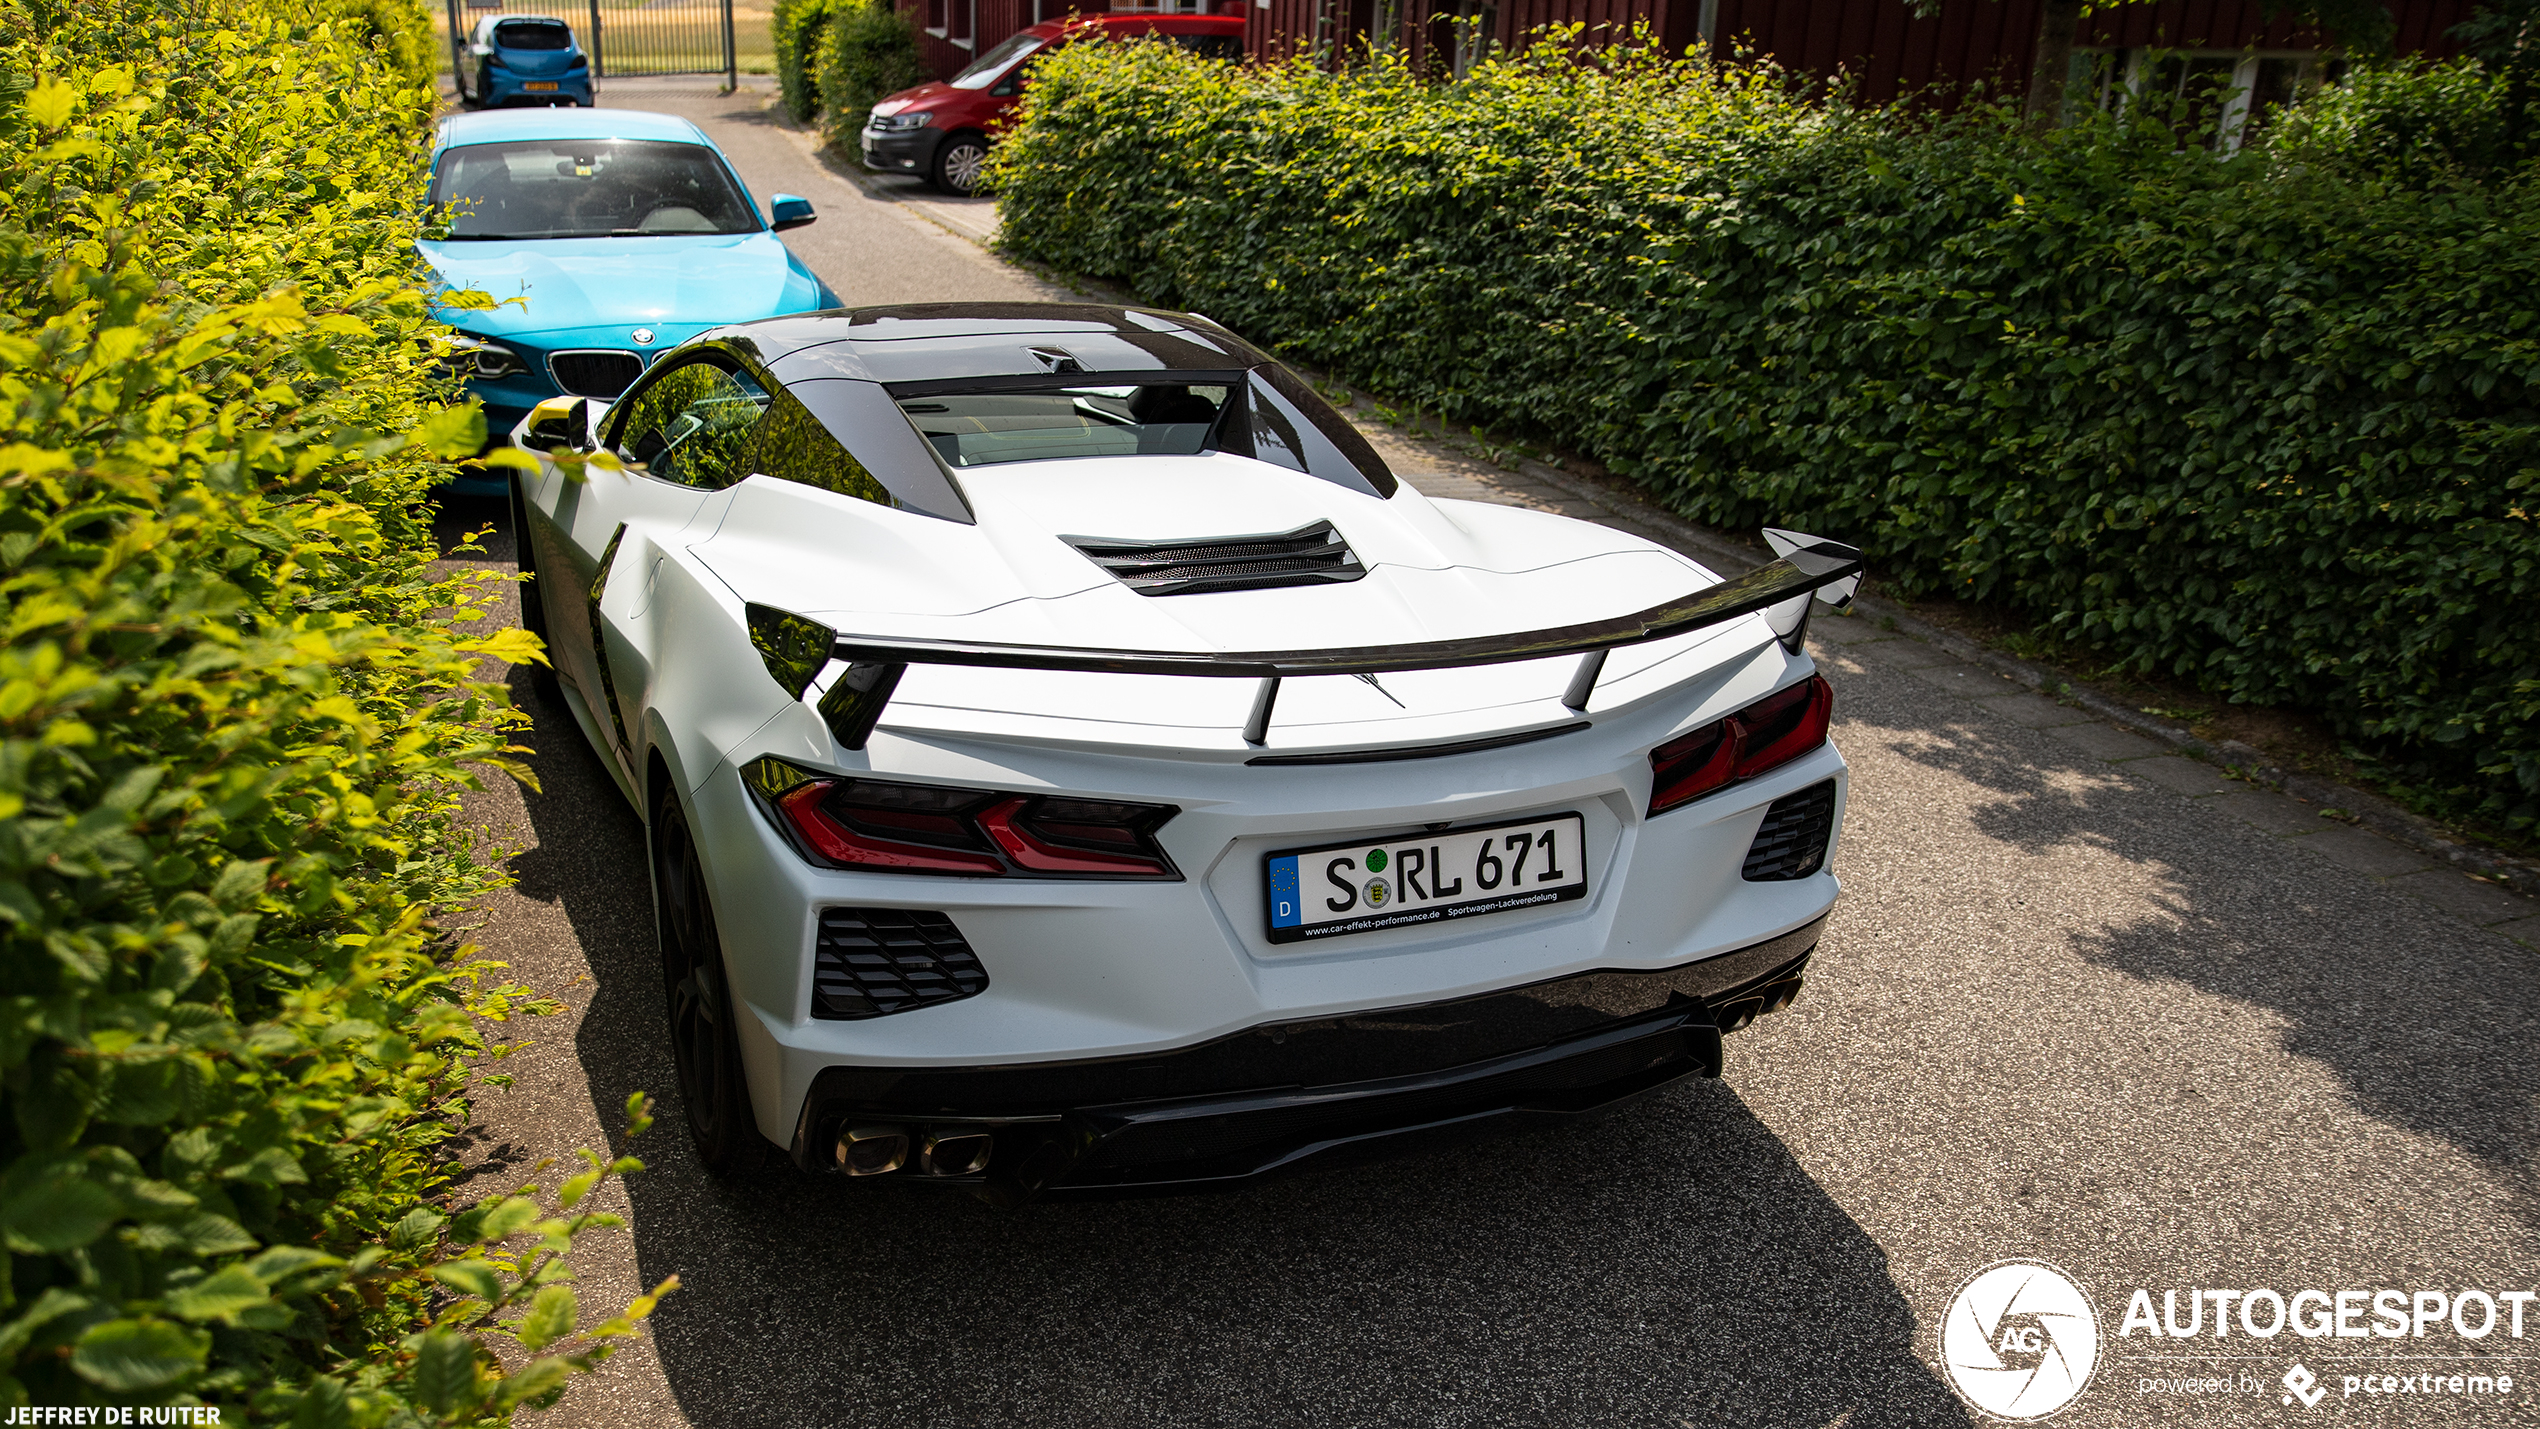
<point x="731" y="53"/>
<point x="458" y="85"/>
<point x="599" y="65"/>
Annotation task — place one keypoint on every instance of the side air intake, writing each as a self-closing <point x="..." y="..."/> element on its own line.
<point x="1312" y="556"/>
<point x="872" y="962"/>
<point x="1792" y="841"/>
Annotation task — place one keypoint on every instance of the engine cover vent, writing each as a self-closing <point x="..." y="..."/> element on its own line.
<point x="1314" y="555"/>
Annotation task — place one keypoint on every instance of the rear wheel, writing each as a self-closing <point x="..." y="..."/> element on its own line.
<point x="958" y="161"/>
<point x="704" y="1035"/>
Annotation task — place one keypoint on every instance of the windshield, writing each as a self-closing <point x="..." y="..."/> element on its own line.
<point x="984" y="70"/>
<point x="532" y="35"/>
<point x="983" y="429"/>
<point x="587" y="188"/>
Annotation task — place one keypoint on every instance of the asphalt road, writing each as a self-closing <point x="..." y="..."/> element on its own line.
<point x="2077" y="1004"/>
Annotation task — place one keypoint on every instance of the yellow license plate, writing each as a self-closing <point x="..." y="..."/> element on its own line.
<point x="540" y="84"/>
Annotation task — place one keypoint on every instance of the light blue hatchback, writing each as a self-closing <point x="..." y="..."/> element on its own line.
<point x="606" y="237"/>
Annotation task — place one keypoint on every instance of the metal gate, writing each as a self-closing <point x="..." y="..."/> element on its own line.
<point x="625" y="37"/>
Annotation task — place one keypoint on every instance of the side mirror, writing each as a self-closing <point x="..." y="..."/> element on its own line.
<point x="788" y="211"/>
<point x="557" y="423"/>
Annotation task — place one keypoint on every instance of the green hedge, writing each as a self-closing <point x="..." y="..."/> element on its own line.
<point x="237" y="707"/>
<point x="797" y="26"/>
<point x="868" y="54"/>
<point x="2265" y="420"/>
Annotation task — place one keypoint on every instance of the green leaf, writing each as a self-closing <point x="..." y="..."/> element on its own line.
<point x="470" y="1277"/>
<point x="417" y="1229"/>
<point x="506" y="1217"/>
<point x="219" y="1295"/>
<point x="325" y="1404"/>
<point x="536" y="1378"/>
<point x="452" y="433"/>
<point x="551" y="1317"/>
<point x="445" y="1372"/>
<point x="128" y="1356"/>
<point x="48" y="1307"/>
<point x="58" y="1215"/>
<point x="51" y="103"/>
<point x="283" y="1261"/>
<point x="207" y="1234"/>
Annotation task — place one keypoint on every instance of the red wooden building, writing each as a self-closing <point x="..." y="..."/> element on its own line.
<point x="1881" y="45"/>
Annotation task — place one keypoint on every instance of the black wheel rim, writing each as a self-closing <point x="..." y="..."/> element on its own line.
<point x="692" y="972"/>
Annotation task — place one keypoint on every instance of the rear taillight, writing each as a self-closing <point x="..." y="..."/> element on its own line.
<point x="931" y="828"/>
<point x="1765" y="735"/>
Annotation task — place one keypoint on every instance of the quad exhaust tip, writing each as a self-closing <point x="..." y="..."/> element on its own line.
<point x="881" y="1150"/>
<point x="956" y="1153"/>
<point x="872" y="1150"/>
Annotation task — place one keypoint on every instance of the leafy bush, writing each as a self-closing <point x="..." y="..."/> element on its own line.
<point x="869" y="54"/>
<point x="797" y="26"/>
<point x="2263" y="420"/>
<point x="237" y="706"/>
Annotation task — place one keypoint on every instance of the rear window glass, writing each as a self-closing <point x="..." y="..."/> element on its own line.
<point x="587" y="188"/>
<point x="532" y="35"/>
<point x="984" y="429"/>
<point x="1270" y="416"/>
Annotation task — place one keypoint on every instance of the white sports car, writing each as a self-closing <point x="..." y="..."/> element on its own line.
<point x="1075" y="765"/>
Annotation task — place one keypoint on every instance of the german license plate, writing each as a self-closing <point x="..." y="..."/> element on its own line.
<point x="541" y="86"/>
<point x="1335" y="889"/>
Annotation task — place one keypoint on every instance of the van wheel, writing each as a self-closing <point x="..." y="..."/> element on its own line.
<point x="958" y="161"/>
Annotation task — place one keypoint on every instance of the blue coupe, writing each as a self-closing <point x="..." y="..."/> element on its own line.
<point x="605" y="237"/>
<point x="525" y="59"/>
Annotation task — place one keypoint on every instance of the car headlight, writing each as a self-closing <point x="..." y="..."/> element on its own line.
<point x="886" y="123"/>
<point x="466" y="356"/>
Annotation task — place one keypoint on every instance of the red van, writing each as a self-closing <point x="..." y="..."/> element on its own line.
<point x="941" y="129"/>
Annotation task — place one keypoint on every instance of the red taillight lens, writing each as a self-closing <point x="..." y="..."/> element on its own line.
<point x="834" y="836"/>
<point x="1765" y="735"/>
<point x="929" y="828"/>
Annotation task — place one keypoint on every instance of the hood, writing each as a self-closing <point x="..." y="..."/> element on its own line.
<point x="659" y="281"/>
<point x="923" y="96"/>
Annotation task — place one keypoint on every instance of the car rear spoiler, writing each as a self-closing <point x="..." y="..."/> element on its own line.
<point x="1805" y="569"/>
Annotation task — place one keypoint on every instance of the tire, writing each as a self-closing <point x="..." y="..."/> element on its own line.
<point x="714" y="1090"/>
<point x="957" y="162"/>
<point x="533" y="603"/>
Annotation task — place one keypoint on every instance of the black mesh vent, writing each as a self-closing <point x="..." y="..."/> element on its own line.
<point x="1792" y="842"/>
<point x="595" y="374"/>
<point x="1311" y="556"/>
<point x="871" y="962"/>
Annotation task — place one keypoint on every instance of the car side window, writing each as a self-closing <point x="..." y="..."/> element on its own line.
<point x="696" y="424"/>
<point x="795" y="447"/>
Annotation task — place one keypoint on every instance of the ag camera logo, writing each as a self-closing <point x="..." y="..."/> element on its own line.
<point x="2019" y="1340"/>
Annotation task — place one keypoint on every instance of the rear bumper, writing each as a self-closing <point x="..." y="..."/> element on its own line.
<point x="509" y="89"/>
<point x="1284" y="1097"/>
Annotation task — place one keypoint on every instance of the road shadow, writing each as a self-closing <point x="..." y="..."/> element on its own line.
<point x="2426" y="1020"/>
